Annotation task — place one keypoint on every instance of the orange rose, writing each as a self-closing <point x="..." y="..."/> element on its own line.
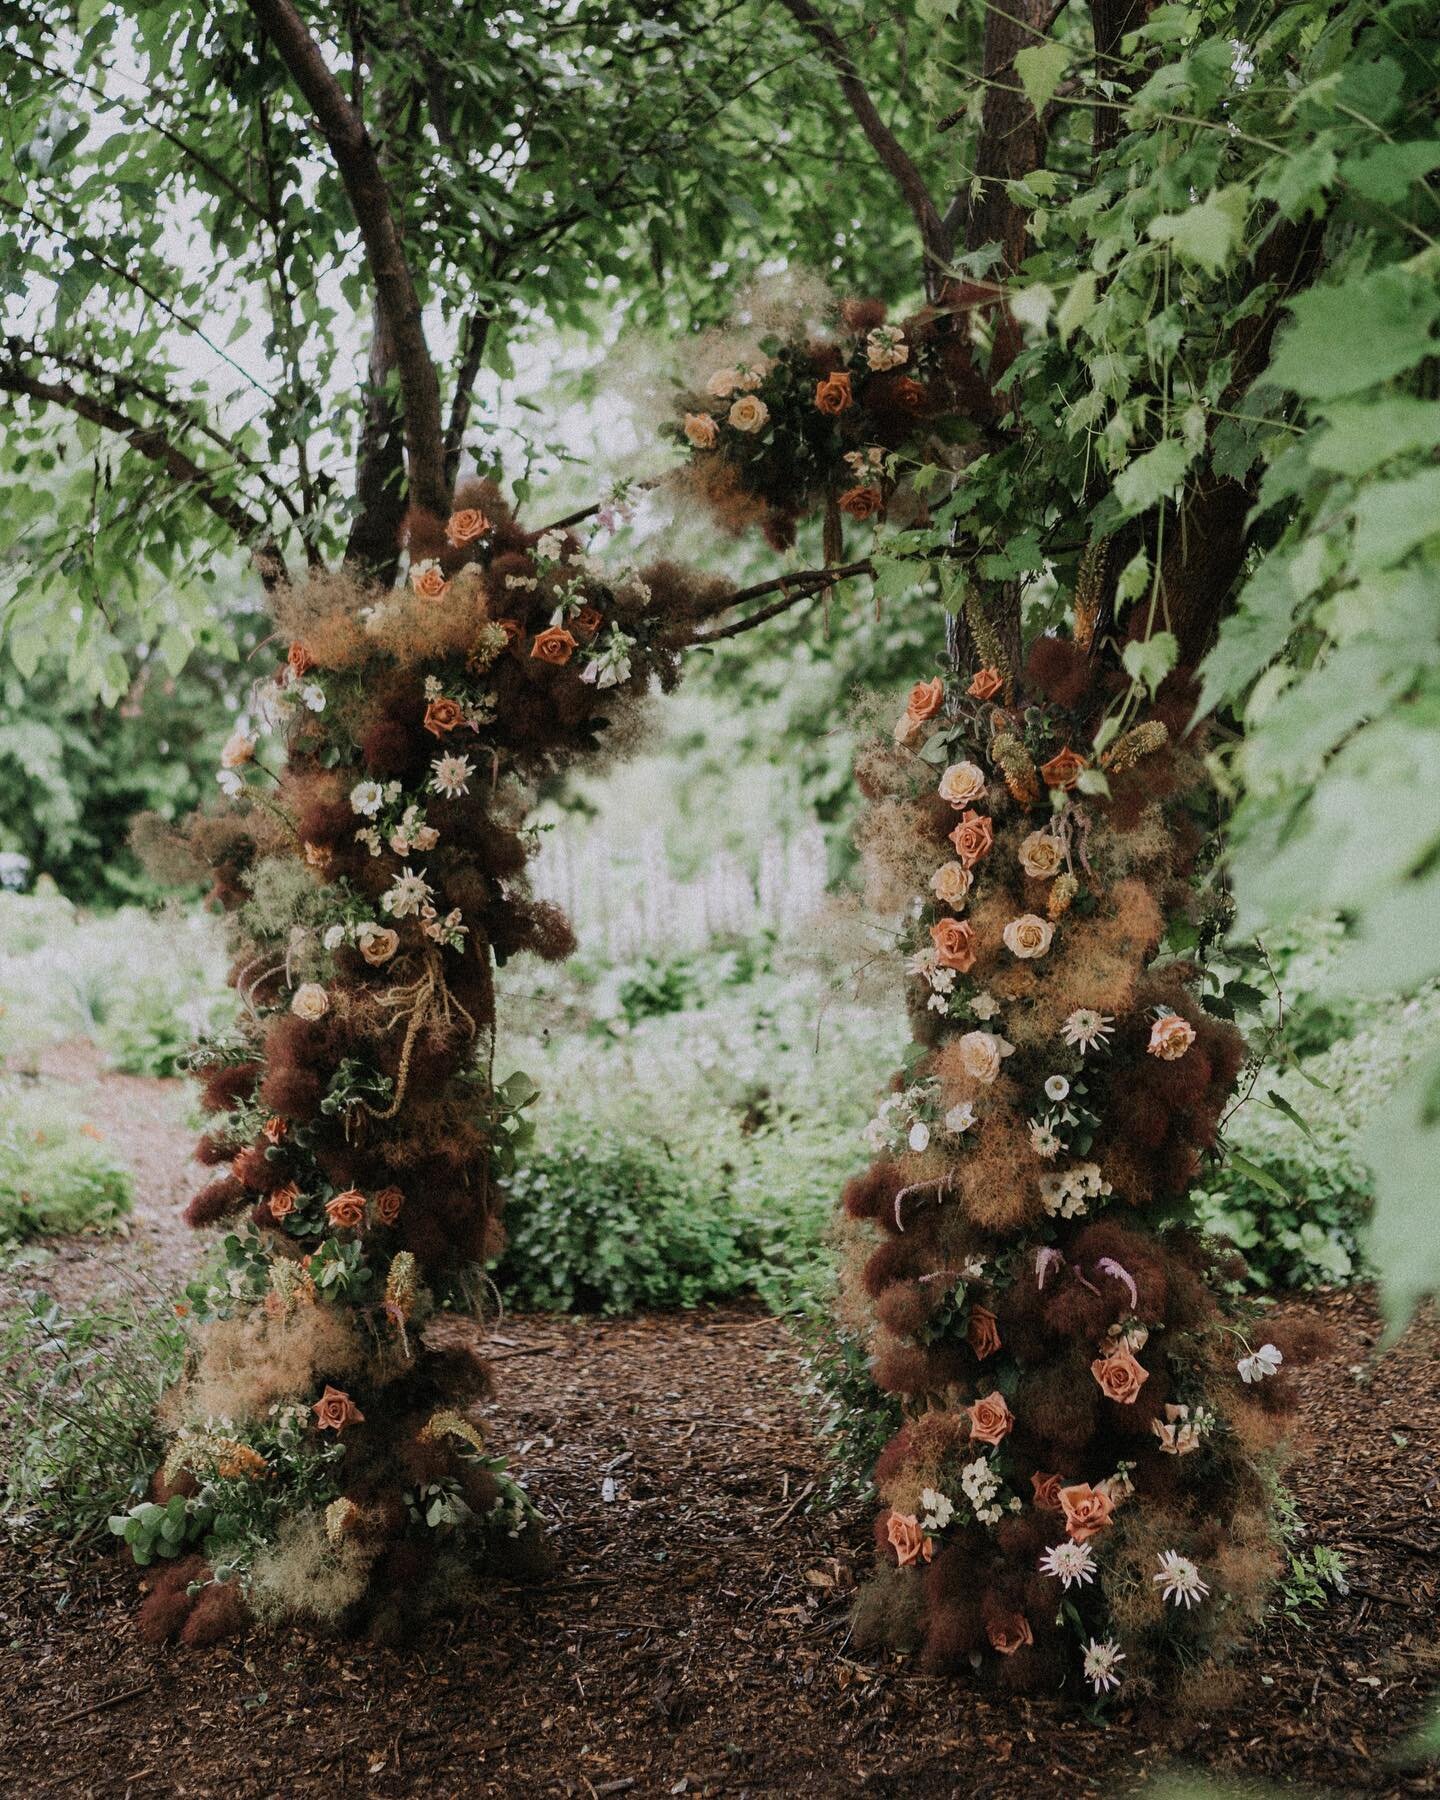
<point x="1087" y="1511"/>
<point x="907" y="1540"/>
<point x="954" y="941"/>
<point x="972" y="838"/>
<point x="986" y="685"/>
<point x="1063" y="771"/>
<point x="300" y="660"/>
<point x="983" y="1335"/>
<point x="465" y="526"/>
<point x="832" y="395"/>
<point x="346" y="1212"/>
<point x="861" y="502"/>
<point x="700" y="430"/>
<point x="1008" y="1634"/>
<point x="282" y="1201"/>
<point x="554" y="646"/>
<point x="961" y="783"/>
<point x="908" y="393"/>
<point x="991" y="1419"/>
<point x="511" y="628"/>
<point x="387" y="1205"/>
<point x="1120" y="1376"/>
<point x="1046" y="1492"/>
<point x="926" y="698"/>
<point x="1170" y="1037"/>
<point x="442" y="716"/>
<point x="428" y="581"/>
<point x="377" y="943"/>
<point x="588" y="621"/>
<point x="334" y="1410"/>
<point x="274" y="1130"/>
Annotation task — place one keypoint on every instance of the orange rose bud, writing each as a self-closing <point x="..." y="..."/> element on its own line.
<point x="986" y="685"/>
<point x="282" y="1201"/>
<point x="274" y="1130"/>
<point x="983" y="1335"/>
<point x="1046" y="1491"/>
<point x="554" y="646"/>
<point x="862" y="502"/>
<point x="907" y="1540"/>
<point x="991" y="1420"/>
<point x="300" y="660"/>
<point x="1087" y="1511"/>
<point x="511" y="628"/>
<point x="442" y="716"/>
<point x="387" y="1205"/>
<point x="428" y="581"/>
<point x="346" y="1212"/>
<point x="954" y="941"/>
<point x="334" y="1410"/>
<point x="972" y="838"/>
<point x="465" y="526"/>
<point x="832" y="395"/>
<point x="1064" y="770"/>
<point x="588" y="621"/>
<point x="926" y="699"/>
<point x="1120" y="1376"/>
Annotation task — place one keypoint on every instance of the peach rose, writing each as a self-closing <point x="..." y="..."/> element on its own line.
<point x="981" y="1054"/>
<point x="861" y="502"/>
<point x="300" y="660"/>
<point x="1045" y="1490"/>
<point x="1087" y="1511"/>
<point x="588" y="621"/>
<point x="1064" y="770"/>
<point x="1042" y="855"/>
<point x="1028" y="936"/>
<point x="926" y="698"/>
<point x="377" y="943"/>
<point x="555" y="646"/>
<point x="972" y="838"/>
<point x="961" y="783"/>
<point x="991" y="1420"/>
<point x="907" y="1540"/>
<point x="465" y="526"/>
<point x="986" y="685"/>
<point x="950" y="883"/>
<point x="749" y="413"/>
<point x="954" y="941"/>
<point x="310" y="1001"/>
<point x="442" y="716"/>
<point x="1007" y="1635"/>
<point x="334" y="1410"/>
<point x="282" y="1201"/>
<point x="428" y="581"/>
<point x="722" y="383"/>
<point x="832" y="395"/>
<point x="273" y="1130"/>
<point x="909" y="730"/>
<point x="1170" y="1037"/>
<point x="1120" y="1376"/>
<point x="387" y="1205"/>
<point x="346" y="1212"/>
<point x="983" y="1335"/>
<point x="700" y="430"/>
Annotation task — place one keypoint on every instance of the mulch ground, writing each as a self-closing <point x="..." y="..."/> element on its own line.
<point x="694" y="1638"/>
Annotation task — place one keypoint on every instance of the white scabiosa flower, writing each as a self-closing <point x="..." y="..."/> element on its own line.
<point x="1057" y="1087"/>
<point x="1179" y="1580"/>
<point x="919" y="1138"/>
<point x="1087" y="1028"/>
<point x="1101" y="1664"/>
<point x="960" y="1118"/>
<point x="1069" y="1563"/>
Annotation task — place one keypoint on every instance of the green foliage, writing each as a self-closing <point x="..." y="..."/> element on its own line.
<point x="854" y="1418"/>
<point x="54" y="1176"/>
<point x="78" y="1411"/>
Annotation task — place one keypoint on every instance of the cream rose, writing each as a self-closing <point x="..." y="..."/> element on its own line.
<point x="1042" y="855"/>
<point x="950" y="883"/>
<point x="377" y="943"/>
<point x="722" y="383"/>
<point x="981" y="1054"/>
<point x="701" y="430"/>
<point x="310" y="1001"/>
<point x="1170" y="1037"/>
<point x="962" y="784"/>
<point x="749" y="413"/>
<point x="1028" y="936"/>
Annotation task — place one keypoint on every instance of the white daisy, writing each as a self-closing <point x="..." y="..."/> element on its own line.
<point x="1069" y="1563"/>
<point x="1087" y="1028"/>
<point x="366" y="798"/>
<point x="1179" y="1579"/>
<point x="1100" y="1664"/>
<point x="409" y="893"/>
<point x="1266" y="1361"/>
<point x="450" y="774"/>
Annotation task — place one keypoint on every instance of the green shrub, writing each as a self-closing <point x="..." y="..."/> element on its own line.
<point x="77" y="1412"/>
<point x="54" y="1176"/>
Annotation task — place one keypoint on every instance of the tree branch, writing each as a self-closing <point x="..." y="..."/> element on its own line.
<point x="477" y="331"/>
<point x="395" y="292"/>
<point x="793" y="588"/>
<point x="886" y="145"/>
<point x="151" y="442"/>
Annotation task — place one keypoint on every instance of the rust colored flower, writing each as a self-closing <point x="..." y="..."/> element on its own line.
<point x="300" y="660"/>
<point x="983" y="1335"/>
<point x="1170" y="1037"/>
<point x="317" y="856"/>
<point x="346" y="1212"/>
<point x="1064" y="770"/>
<point x="1045" y="1490"/>
<point x="986" y="685"/>
<point x="832" y="395"/>
<point x="908" y="394"/>
<point x="972" y="838"/>
<point x="954" y="941"/>
<point x="428" y="581"/>
<point x="991" y="1420"/>
<point x="511" y="628"/>
<point x="282" y="1201"/>
<point x="274" y="1130"/>
<point x="861" y="502"/>
<point x="926" y="698"/>
<point x="388" y="1203"/>
<point x="1120" y="1376"/>
<point x="1087" y="1511"/>
<point x="239" y="1460"/>
<point x="334" y="1410"/>
<point x="907" y="1540"/>
<point x="465" y="526"/>
<point x="588" y="621"/>
<point x="1009" y="1634"/>
<point x="554" y="646"/>
<point x="442" y="716"/>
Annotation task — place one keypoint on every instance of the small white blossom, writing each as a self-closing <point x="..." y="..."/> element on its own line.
<point x="314" y="696"/>
<point x="366" y="798"/>
<point x="919" y="1138"/>
<point x="1087" y="1028"/>
<point x="982" y="1488"/>
<point x="1179" y="1580"/>
<point x="370" y="838"/>
<point x="936" y="1510"/>
<point x="231" y="782"/>
<point x="960" y="1118"/>
<point x="1101" y="1662"/>
<point x="885" y="348"/>
<point x="984" y="1006"/>
<point x="1057" y="1087"/>
<point x="551" y="547"/>
<point x="1266" y="1361"/>
<point x="1069" y="1563"/>
<point x="450" y="775"/>
<point x="334" y="937"/>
